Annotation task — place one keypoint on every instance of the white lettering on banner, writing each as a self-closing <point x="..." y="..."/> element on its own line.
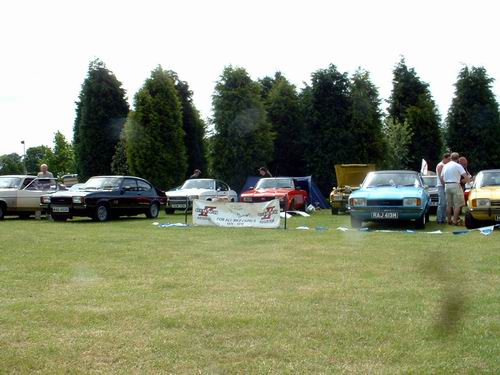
<point x="229" y="214"/>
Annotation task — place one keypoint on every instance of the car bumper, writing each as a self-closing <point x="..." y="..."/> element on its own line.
<point x="70" y="210"/>
<point x="386" y="213"/>
<point x="488" y="214"/>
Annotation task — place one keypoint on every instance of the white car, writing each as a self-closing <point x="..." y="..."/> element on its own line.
<point x="20" y="194"/>
<point x="198" y="188"/>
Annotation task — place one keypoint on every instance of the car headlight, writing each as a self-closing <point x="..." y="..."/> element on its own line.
<point x="77" y="200"/>
<point x="358" y="202"/>
<point x="246" y="199"/>
<point x="45" y="200"/>
<point x="411" y="202"/>
<point x="481" y="203"/>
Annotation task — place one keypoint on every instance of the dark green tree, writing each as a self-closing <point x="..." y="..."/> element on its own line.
<point x="473" y="122"/>
<point x="330" y="139"/>
<point x="119" y="164"/>
<point x="366" y="120"/>
<point x="62" y="160"/>
<point x="36" y="156"/>
<point x="267" y="84"/>
<point x="411" y="103"/>
<point x="100" y="114"/>
<point x="194" y="127"/>
<point x="154" y="134"/>
<point x="284" y="113"/>
<point x="397" y="141"/>
<point x="243" y="139"/>
<point x="11" y="164"/>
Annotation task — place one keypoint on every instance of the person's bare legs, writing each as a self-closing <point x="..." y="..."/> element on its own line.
<point x="456" y="214"/>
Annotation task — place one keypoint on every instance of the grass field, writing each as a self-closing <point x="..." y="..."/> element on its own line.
<point x="129" y="297"/>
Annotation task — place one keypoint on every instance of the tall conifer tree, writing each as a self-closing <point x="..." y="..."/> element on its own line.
<point x="243" y="139"/>
<point x="473" y="122"/>
<point x="100" y="114"/>
<point x="154" y="135"/>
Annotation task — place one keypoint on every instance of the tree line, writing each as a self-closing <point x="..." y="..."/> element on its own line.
<point x="336" y="118"/>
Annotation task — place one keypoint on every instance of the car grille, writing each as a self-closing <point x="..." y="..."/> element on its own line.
<point x="262" y="199"/>
<point x="434" y="198"/>
<point x="495" y="203"/>
<point x="61" y="200"/>
<point x="177" y="199"/>
<point x="384" y="202"/>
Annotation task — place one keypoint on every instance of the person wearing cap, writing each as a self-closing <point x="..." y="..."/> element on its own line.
<point x="196" y="174"/>
<point x="264" y="172"/>
<point x="452" y="173"/>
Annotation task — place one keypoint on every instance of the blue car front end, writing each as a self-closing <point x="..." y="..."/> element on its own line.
<point x="388" y="204"/>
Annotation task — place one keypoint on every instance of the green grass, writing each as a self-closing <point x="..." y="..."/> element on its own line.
<point x="129" y="297"/>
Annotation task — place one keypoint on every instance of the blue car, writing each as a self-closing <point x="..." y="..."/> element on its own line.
<point x="389" y="196"/>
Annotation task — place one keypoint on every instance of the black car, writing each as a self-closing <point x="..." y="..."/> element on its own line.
<point x="103" y="197"/>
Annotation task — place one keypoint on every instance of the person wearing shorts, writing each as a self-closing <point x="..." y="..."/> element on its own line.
<point x="452" y="173"/>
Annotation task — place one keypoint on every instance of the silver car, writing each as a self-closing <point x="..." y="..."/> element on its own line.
<point x="20" y="194"/>
<point x="198" y="188"/>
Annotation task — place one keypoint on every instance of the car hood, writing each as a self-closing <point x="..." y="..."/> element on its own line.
<point x="388" y="192"/>
<point x="188" y="192"/>
<point x="352" y="174"/>
<point x="491" y="192"/>
<point x="79" y="193"/>
<point x="266" y="192"/>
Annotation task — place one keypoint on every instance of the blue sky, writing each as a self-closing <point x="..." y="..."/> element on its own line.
<point x="47" y="46"/>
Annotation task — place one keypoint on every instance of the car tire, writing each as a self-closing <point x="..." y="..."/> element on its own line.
<point x="420" y="222"/>
<point x="335" y="211"/>
<point x="101" y="213"/>
<point x="470" y="222"/>
<point x="59" y="217"/>
<point x="3" y="208"/>
<point x="356" y="222"/>
<point x="153" y="211"/>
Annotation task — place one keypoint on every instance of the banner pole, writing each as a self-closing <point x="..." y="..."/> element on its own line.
<point x="186" y="211"/>
<point x="285" y="215"/>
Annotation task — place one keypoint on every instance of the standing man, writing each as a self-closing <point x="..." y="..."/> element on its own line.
<point x="463" y="162"/>
<point x="452" y="173"/>
<point x="264" y="172"/>
<point x="196" y="174"/>
<point x="44" y="172"/>
<point x="441" y="209"/>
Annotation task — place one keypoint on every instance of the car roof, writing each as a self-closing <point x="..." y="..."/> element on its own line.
<point x="491" y="170"/>
<point x="19" y="175"/>
<point x="395" y="171"/>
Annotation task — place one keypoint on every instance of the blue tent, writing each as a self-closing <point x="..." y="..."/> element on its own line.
<point x="306" y="183"/>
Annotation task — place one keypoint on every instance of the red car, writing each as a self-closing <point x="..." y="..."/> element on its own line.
<point x="282" y="188"/>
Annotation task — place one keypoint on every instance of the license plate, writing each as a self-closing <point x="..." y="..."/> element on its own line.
<point x="497" y="218"/>
<point x="174" y="205"/>
<point x="337" y="197"/>
<point x="433" y="204"/>
<point x="385" y="215"/>
<point x="60" y="209"/>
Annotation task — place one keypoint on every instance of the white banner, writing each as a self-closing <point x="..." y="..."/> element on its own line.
<point x="237" y="215"/>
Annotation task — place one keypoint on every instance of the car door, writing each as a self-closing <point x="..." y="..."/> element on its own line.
<point x="222" y="190"/>
<point x="145" y="194"/>
<point x="28" y="198"/>
<point x="127" y="202"/>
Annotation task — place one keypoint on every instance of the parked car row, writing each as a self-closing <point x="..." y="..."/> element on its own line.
<point x="382" y="196"/>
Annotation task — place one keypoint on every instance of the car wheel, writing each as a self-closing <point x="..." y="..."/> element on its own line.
<point x="420" y="222"/>
<point x="335" y="211"/>
<point x="59" y="217"/>
<point x="101" y="213"/>
<point x="470" y="222"/>
<point x="169" y="211"/>
<point x="2" y="211"/>
<point x="356" y="222"/>
<point x="153" y="211"/>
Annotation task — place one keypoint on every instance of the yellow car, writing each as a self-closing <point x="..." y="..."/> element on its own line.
<point x="484" y="200"/>
<point x="349" y="177"/>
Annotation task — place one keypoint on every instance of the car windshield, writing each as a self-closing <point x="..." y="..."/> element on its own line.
<point x="102" y="183"/>
<point x="391" y="179"/>
<point x="484" y="179"/>
<point x="10" y="182"/>
<point x="274" y="183"/>
<point x="430" y="181"/>
<point x="199" y="184"/>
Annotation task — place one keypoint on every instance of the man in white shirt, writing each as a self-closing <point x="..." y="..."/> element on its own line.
<point x="452" y="173"/>
<point x="441" y="209"/>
